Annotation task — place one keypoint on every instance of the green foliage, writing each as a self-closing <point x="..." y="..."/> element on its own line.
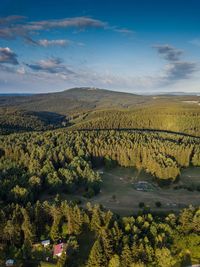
<point x="164" y="258"/>
<point x="62" y="260"/>
<point x="17" y="120"/>
<point x="33" y="163"/>
<point x="158" y="204"/>
<point x="114" y="261"/>
<point x="142" y="240"/>
<point x="62" y="161"/>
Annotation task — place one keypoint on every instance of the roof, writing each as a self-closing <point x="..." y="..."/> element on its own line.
<point x="58" y="249"/>
<point x="44" y="242"/>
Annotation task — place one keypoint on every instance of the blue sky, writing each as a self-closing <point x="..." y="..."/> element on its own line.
<point x="139" y="46"/>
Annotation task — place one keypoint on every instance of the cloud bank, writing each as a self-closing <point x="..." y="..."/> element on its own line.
<point x="168" y="52"/>
<point x="176" y="69"/>
<point x="52" y="65"/>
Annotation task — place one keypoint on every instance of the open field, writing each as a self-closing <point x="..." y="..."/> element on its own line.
<point x="191" y="176"/>
<point x="118" y="192"/>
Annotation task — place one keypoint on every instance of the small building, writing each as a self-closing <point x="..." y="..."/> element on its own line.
<point x="140" y="189"/>
<point x="45" y="243"/>
<point x="10" y="262"/>
<point x="143" y="186"/>
<point x="64" y="123"/>
<point x="142" y="182"/>
<point x="140" y="186"/>
<point x="58" y="249"/>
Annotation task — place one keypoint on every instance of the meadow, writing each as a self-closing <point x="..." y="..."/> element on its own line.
<point x="119" y="194"/>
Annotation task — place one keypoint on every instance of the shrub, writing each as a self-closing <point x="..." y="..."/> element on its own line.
<point x="158" y="204"/>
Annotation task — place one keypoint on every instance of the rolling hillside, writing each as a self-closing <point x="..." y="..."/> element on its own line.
<point x="91" y="108"/>
<point x="76" y="99"/>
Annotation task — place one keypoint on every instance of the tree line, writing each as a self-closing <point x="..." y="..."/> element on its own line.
<point x="63" y="161"/>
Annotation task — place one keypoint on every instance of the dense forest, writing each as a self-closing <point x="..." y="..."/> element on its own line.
<point x="14" y="120"/>
<point x="169" y="117"/>
<point x="57" y="161"/>
<point x="63" y="160"/>
<point x="92" y="108"/>
<point x="95" y="237"/>
<point x="160" y="137"/>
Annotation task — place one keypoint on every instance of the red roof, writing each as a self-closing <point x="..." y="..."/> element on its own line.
<point x="58" y="249"/>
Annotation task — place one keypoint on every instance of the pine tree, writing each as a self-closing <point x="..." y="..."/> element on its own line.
<point x="27" y="229"/>
<point x="55" y="233"/>
<point x="97" y="257"/>
<point x="164" y="258"/>
<point x="114" y="261"/>
<point x="107" y="243"/>
<point x="96" y="219"/>
<point x="126" y="256"/>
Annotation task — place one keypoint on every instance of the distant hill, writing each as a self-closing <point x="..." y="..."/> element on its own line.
<point x="99" y="108"/>
<point x="76" y="99"/>
<point x="83" y="99"/>
<point x="15" y="94"/>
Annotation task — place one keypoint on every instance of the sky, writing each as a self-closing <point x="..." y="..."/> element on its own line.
<point x="137" y="46"/>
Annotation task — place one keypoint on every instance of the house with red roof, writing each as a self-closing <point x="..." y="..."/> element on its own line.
<point x="58" y="249"/>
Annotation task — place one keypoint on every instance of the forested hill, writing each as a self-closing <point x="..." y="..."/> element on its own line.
<point x="169" y="117"/>
<point x="92" y="108"/>
<point x="86" y="98"/>
<point x="76" y="99"/>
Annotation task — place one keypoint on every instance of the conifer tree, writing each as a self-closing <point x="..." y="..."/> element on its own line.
<point x="126" y="256"/>
<point x="97" y="257"/>
<point x="114" y="261"/>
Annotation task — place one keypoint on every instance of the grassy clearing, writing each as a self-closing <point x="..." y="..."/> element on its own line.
<point x="118" y="192"/>
<point x="190" y="176"/>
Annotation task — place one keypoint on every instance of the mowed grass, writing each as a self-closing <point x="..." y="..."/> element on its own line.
<point x="190" y="176"/>
<point x="119" y="195"/>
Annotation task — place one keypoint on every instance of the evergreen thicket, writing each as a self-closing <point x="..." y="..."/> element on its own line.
<point x="60" y="161"/>
<point x="35" y="163"/>
<point x="142" y="240"/>
<point x="166" y="117"/>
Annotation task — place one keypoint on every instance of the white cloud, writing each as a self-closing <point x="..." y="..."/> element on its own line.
<point x="52" y="65"/>
<point x="59" y="42"/>
<point x="21" y="70"/>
